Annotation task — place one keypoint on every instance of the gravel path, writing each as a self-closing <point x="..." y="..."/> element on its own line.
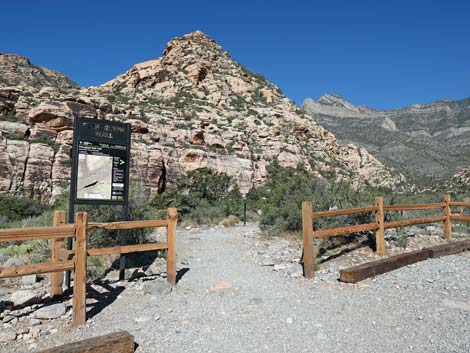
<point x="226" y="302"/>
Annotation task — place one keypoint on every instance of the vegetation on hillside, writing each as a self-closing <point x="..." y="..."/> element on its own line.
<point x="205" y="196"/>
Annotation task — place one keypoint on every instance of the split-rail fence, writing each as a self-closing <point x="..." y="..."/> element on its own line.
<point x="76" y="260"/>
<point x="379" y="225"/>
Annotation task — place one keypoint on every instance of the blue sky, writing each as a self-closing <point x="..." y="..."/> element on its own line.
<point x="383" y="54"/>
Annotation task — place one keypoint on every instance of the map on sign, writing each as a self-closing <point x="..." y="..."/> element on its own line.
<point x="101" y="171"/>
<point x="94" y="179"/>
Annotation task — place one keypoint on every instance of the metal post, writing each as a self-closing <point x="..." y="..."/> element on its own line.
<point x="123" y="240"/>
<point x="70" y="239"/>
<point x="244" y="209"/>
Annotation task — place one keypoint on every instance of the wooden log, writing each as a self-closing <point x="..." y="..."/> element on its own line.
<point x="333" y="213"/>
<point x="408" y="222"/>
<point x="453" y="247"/>
<point x="57" y="278"/>
<point x="172" y="218"/>
<point x="20" y="234"/>
<point x="116" y="342"/>
<point x="126" y="249"/>
<point x="332" y="232"/>
<point x="307" y="235"/>
<point x="447" y="221"/>
<point x="374" y="268"/>
<point x="380" y="232"/>
<point x="130" y="224"/>
<point x="459" y="203"/>
<point x="460" y="218"/>
<point x="423" y="206"/>
<point x="358" y="273"/>
<point x="79" y="280"/>
<point x="45" y="267"/>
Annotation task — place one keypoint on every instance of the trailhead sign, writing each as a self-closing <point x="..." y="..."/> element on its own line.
<point x="100" y="169"/>
<point x="101" y="157"/>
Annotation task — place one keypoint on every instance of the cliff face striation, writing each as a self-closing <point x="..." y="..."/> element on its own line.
<point x="193" y="107"/>
<point x="431" y="140"/>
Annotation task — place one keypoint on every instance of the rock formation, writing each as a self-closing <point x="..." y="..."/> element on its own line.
<point x="193" y="107"/>
<point x="431" y="141"/>
<point x="458" y="183"/>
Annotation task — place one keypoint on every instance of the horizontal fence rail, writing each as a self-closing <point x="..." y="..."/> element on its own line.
<point x="333" y="232"/>
<point x="22" y="234"/>
<point x="63" y="260"/>
<point x="25" y="270"/>
<point x="348" y="211"/>
<point x="130" y="225"/>
<point x="429" y="206"/>
<point x="459" y="203"/>
<point x="379" y="226"/>
<point x="409" y="222"/>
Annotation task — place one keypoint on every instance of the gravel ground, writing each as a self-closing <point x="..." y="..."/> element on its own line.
<point x="227" y="302"/>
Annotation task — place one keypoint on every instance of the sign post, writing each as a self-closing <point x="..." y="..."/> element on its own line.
<point x="100" y="169"/>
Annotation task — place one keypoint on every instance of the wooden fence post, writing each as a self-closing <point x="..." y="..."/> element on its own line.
<point x="447" y="221"/>
<point x="172" y="217"/>
<point x="79" y="279"/>
<point x="57" y="278"/>
<point x="380" y="232"/>
<point x="307" y="234"/>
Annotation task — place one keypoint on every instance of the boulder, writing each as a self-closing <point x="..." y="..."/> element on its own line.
<point x="157" y="267"/>
<point x="24" y="297"/>
<point x="29" y="280"/>
<point x="159" y="287"/>
<point x="50" y="312"/>
<point x="7" y="335"/>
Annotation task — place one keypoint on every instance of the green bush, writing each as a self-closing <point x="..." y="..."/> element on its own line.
<point x="14" y="208"/>
<point x="203" y="195"/>
<point x="139" y="209"/>
<point x="281" y="198"/>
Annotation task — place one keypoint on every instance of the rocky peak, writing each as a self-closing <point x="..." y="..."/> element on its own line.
<point x="336" y="101"/>
<point x="334" y="105"/>
<point x="14" y="59"/>
<point x="193" y="107"/>
<point x="16" y="70"/>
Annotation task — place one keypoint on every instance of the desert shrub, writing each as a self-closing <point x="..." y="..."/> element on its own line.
<point x="230" y="221"/>
<point x="21" y="212"/>
<point x="14" y="209"/>
<point x="203" y="195"/>
<point x="281" y="198"/>
<point x="139" y="209"/>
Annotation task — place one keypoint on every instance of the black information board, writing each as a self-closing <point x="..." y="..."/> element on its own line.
<point x="100" y="170"/>
<point x="100" y="162"/>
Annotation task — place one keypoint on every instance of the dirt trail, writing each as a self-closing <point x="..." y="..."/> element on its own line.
<point x="226" y="302"/>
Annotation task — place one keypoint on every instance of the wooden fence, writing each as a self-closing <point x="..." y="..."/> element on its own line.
<point x="379" y="225"/>
<point x="67" y="260"/>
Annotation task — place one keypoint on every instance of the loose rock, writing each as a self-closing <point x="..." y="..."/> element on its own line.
<point x="50" y="312"/>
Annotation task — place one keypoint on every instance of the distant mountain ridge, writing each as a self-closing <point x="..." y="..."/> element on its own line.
<point x="430" y="140"/>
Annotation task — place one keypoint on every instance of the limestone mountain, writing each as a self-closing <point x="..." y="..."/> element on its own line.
<point x="458" y="183"/>
<point x="431" y="140"/>
<point x="193" y="107"/>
